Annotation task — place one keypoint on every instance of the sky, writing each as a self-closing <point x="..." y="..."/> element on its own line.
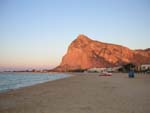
<point x="37" y="33"/>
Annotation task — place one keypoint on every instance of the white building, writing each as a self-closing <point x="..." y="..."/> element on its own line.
<point x="99" y="70"/>
<point x="145" y="67"/>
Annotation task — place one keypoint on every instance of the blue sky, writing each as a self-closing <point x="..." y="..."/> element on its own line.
<point x="36" y="33"/>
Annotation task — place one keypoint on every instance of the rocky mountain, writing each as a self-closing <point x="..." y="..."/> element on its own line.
<point x="85" y="53"/>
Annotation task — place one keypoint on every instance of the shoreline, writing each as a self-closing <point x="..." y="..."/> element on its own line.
<point x="84" y="92"/>
<point x="9" y="90"/>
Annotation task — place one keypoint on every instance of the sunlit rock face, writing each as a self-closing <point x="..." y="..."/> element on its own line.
<point x="85" y="53"/>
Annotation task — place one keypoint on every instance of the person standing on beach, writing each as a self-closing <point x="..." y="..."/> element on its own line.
<point x="131" y="72"/>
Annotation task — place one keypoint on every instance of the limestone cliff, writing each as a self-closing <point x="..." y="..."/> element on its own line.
<point x="84" y="53"/>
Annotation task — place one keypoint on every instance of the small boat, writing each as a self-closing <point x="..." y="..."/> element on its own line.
<point x="105" y="74"/>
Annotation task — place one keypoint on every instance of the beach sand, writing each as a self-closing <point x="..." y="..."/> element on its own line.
<point x="83" y="93"/>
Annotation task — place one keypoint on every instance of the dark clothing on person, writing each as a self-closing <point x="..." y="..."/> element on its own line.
<point x="131" y="74"/>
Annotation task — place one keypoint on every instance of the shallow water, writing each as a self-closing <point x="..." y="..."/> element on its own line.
<point x="13" y="80"/>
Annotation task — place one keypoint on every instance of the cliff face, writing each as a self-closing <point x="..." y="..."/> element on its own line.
<point x="84" y="53"/>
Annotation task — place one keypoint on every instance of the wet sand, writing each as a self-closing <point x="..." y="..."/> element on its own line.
<point x="83" y="93"/>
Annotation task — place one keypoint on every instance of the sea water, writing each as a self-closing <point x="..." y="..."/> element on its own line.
<point x="9" y="81"/>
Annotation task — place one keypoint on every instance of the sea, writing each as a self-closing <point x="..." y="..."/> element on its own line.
<point x="12" y="80"/>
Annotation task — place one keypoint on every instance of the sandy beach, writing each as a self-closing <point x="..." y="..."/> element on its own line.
<point x="83" y="93"/>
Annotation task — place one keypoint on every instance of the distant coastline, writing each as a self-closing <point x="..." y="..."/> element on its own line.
<point x="32" y="71"/>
